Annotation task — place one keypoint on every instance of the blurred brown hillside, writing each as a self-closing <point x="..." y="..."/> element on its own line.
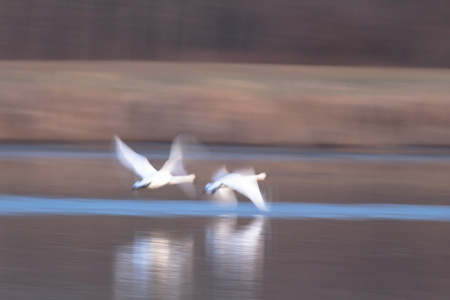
<point x="365" y="32"/>
<point x="224" y="103"/>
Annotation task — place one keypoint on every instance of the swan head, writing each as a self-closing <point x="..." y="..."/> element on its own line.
<point x="140" y="185"/>
<point x="207" y="188"/>
<point x="211" y="188"/>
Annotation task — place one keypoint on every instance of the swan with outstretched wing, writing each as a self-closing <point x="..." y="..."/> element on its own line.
<point x="172" y="172"/>
<point x="243" y="181"/>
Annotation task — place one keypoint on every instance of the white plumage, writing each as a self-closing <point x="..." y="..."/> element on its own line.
<point x="243" y="181"/>
<point x="172" y="172"/>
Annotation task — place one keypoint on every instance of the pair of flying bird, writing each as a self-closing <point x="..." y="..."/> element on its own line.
<point x="172" y="172"/>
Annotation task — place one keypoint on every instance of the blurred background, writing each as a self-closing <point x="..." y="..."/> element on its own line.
<point x="341" y="103"/>
<point x="380" y="32"/>
<point x="279" y="72"/>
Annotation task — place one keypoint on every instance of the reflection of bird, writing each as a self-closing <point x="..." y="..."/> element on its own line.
<point x="244" y="181"/>
<point x="156" y="265"/>
<point x="236" y="253"/>
<point x="172" y="172"/>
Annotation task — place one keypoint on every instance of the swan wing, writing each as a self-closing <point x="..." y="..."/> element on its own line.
<point x="247" y="186"/>
<point x="133" y="161"/>
<point x="174" y="165"/>
<point x="220" y="173"/>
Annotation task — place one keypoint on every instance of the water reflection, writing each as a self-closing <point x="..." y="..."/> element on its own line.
<point x="156" y="265"/>
<point x="236" y="255"/>
<point x="159" y="264"/>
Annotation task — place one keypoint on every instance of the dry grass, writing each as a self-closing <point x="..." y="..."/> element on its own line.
<point x="228" y="103"/>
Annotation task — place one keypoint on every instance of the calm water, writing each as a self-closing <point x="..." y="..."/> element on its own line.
<point x="340" y="227"/>
<point x="221" y="257"/>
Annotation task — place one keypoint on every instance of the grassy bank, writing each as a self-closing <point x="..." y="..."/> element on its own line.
<point x="224" y="103"/>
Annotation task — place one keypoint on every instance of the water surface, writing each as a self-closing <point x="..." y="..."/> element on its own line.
<point x="341" y="226"/>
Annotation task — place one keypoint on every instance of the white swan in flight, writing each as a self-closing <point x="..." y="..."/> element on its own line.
<point x="243" y="181"/>
<point x="172" y="172"/>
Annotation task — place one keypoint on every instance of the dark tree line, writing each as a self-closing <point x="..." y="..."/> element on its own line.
<point x="368" y="32"/>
